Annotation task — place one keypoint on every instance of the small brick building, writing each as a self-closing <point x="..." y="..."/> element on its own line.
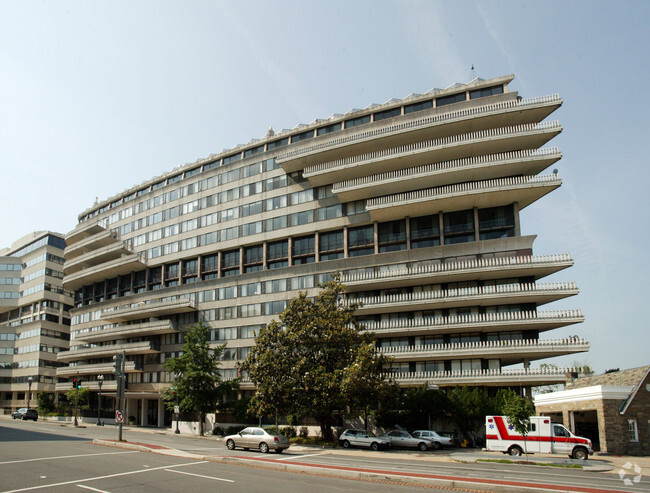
<point x="612" y="409"/>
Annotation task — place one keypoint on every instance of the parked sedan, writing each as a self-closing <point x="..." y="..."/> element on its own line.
<point x="257" y="438"/>
<point x="403" y="439"/>
<point x="24" y="413"/>
<point x="439" y="441"/>
<point x="363" y="438"/>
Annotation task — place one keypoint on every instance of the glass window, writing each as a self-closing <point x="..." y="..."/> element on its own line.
<point x="277" y="143"/>
<point x="353" y="122"/>
<point x="487" y="91"/>
<point x="412" y="108"/>
<point x="232" y="159"/>
<point x="309" y="134"/>
<point x="454" y="98"/>
<point x="382" y="115"/>
<point x="633" y="430"/>
<point x="334" y="127"/>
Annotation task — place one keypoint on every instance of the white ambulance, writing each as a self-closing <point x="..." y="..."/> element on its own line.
<point x="543" y="437"/>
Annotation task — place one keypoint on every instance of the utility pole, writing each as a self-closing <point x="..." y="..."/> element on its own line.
<point x="120" y="367"/>
<point x="76" y="399"/>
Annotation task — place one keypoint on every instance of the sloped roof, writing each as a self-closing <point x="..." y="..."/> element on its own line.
<point x="631" y="377"/>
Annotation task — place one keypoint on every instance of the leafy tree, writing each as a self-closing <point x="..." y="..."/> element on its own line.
<point x="518" y="411"/>
<point x="45" y="402"/>
<point x="198" y="384"/>
<point x="316" y="360"/>
<point x="80" y="396"/>
<point x="412" y="408"/>
<point x="469" y="406"/>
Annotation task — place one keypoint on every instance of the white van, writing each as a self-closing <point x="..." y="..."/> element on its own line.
<point x="543" y="437"/>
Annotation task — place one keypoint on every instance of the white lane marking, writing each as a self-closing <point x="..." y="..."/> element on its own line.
<point x="201" y="476"/>
<point x="91" y="489"/>
<point x="31" y="488"/>
<point x="293" y="457"/>
<point x="66" y="457"/>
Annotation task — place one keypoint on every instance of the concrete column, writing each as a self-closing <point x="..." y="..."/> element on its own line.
<point x="219" y="264"/>
<point x="376" y="236"/>
<point x="290" y="251"/>
<point x="143" y="412"/>
<point x="241" y="260"/>
<point x="477" y="234"/>
<point x="345" y="242"/>
<point x="408" y="233"/>
<point x="161" y="413"/>
<point x="316" y="247"/>
<point x="265" y="253"/>
<point x="515" y="211"/>
<point x="441" y="225"/>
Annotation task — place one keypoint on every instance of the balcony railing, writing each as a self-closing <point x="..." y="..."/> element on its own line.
<point x="466" y="113"/>
<point x="554" y="318"/>
<point x="523" y="376"/>
<point x="156" y="327"/>
<point x="95" y="369"/>
<point x="463" y="349"/>
<point x="426" y="169"/>
<point x="538" y="261"/>
<point x="501" y="291"/>
<point x="142" y="347"/>
<point x="430" y="145"/>
<point x="150" y="308"/>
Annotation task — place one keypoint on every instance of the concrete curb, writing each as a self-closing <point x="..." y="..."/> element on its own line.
<point x="587" y="465"/>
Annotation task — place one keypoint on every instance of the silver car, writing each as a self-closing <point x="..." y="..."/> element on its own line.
<point x="403" y="439"/>
<point x="363" y="438"/>
<point x="257" y="438"/>
<point x="439" y="441"/>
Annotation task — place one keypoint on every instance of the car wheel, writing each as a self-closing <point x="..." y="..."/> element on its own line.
<point x="279" y="450"/>
<point x="24" y="418"/>
<point x="422" y="446"/>
<point x="35" y="419"/>
<point x="374" y="446"/>
<point x="264" y="448"/>
<point x="515" y="451"/>
<point x="437" y="446"/>
<point x="345" y="444"/>
<point x="13" y="417"/>
<point x="580" y="453"/>
<point x="230" y="444"/>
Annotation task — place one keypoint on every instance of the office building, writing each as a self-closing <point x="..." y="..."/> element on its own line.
<point x="415" y="201"/>
<point x="34" y="318"/>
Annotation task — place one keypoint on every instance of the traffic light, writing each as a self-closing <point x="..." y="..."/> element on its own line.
<point x="78" y="383"/>
<point x="118" y="363"/>
<point x="74" y="383"/>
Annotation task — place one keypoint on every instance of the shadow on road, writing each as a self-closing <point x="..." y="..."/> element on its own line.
<point x="16" y="435"/>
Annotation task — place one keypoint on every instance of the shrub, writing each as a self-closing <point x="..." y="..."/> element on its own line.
<point x="304" y="432"/>
<point x="233" y="430"/>
<point x="218" y="430"/>
<point x="288" y="431"/>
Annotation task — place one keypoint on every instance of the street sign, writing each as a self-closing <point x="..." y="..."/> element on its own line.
<point x="177" y="409"/>
<point x="119" y="417"/>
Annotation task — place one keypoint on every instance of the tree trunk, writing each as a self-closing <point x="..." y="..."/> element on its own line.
<point x="326" y="429"/>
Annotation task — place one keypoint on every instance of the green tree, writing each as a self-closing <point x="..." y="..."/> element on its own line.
<point x="468" y="406"/>
<point x="80" y="396"/>
<point x="518" y="411"/>
<point x="45" y="402"/>
<point x="315" y="361"/>
<point x="197" y="382"/>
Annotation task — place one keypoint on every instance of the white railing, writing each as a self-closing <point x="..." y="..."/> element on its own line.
<point x="465" y="265"/>
<point x="429" y="145"/>
<point x="505" y="289"/>
<point x="441" y="376"/>
<point x="399" y="174"/>
<point x="487" y="345"/>
<point x="466" y="113"/>
<point x="475" y="319"/>
<point x="463" y="188"/>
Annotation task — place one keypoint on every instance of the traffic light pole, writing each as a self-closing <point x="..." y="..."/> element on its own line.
<point x="76" y="400"/>
<point x="120" y="367"/>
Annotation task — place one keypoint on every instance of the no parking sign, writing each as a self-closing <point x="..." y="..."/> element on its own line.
<point x="119" y="417"/>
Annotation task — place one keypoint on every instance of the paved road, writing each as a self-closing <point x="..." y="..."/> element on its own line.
<point x="67" y="456"/>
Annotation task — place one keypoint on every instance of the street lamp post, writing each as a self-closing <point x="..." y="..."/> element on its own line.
<point x="100" y="381"/>
<point x="29" y="393"/>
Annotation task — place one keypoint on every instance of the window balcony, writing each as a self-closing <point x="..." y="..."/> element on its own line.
<point x="84" y="230"/>
<point x="481" y="194"/>
<point x="477" y="322"/>
<point x="496" y="140"/>
<point x="107" y="386"/>
<point x="507" y="294"/>
<point x="492" y="378"/>
<point x="150" y="309"/>
<point x="95" y="369"/>
<point x="509" y="352"/>
<point x="112" y="268"/>
<point x="387" y="276"/>
<point x="114" y="250"/>
<point x="97" y="241"/>
<point x="525" y="162"/>
<point x="130" y="348"/>
<point x="409" y="129"/>
<point x="156" y="327"/>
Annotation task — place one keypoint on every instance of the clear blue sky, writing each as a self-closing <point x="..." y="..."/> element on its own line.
<point x="96" y="97"/>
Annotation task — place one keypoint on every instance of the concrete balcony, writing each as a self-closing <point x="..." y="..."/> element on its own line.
<point x="473" y="144"/>
<point x="130" y="348"/>
<point x="114" y="250"/>
<point x="113" y="268"/>
<point x="526" y="162"/>
<point x="95" y="369"/>
<point x="508" y="294"/>
<point x="84" y="230"/>
<point x="107" y="386"/>
<point x="156" y="327"/>
<point x="509" y="352"/>
<point x="150" y="309"/>
<point x="491" y="378"/>
<point x="482" y="194"/>
<point x="388" y="276"/>
<point x="103" y="239"/>
<point x="477" y="322"/>
<point x="407" y="130"/>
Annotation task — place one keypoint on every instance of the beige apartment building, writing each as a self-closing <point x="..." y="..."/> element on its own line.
<point x="34" y="318"/>
<point x="415" y="201"/>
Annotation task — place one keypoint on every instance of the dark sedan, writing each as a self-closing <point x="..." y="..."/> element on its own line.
<point x="24" y="413"/>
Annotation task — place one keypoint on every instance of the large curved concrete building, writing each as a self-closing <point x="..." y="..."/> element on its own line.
<point x="415" y="201"/>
